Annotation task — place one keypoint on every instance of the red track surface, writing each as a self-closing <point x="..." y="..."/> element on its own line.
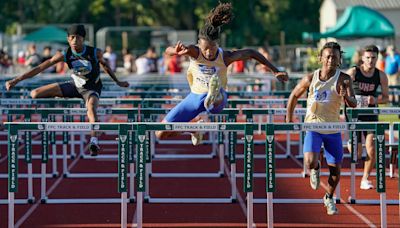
<point x="189" y="215"/>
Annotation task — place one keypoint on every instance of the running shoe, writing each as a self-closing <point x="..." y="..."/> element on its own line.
<point x="197" y="137"/>
<point x="366" y="185"/>
<point x="94" y="147"/>
<point x="330" y="205"/>
<point x="213" y="92"/>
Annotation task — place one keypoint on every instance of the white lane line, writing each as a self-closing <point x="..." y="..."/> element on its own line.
<point x="48" y="192"/>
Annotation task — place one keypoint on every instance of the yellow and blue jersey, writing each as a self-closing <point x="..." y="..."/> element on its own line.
<point x="323" y="102"/>
<point x="200" y="71"/>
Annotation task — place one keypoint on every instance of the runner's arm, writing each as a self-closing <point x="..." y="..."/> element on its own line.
<point x="244" y="54"/>
<point x="36" y="70"/>
<point x="104" y="65"/>
<point x="297" y="92"/>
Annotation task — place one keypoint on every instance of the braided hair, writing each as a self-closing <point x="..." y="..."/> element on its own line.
<point x="220" y="15"/>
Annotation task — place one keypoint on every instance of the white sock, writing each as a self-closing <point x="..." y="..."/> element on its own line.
<point x="93" y="140"/>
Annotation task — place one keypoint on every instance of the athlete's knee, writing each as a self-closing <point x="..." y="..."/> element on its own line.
<point x="160" y="134"/>
<point x="334" y="171"/>
<point x="35" y="94"/>
<point x="310" y="161"/>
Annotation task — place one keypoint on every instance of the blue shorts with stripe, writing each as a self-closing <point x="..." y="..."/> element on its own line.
<point x="333" y="148"/>
<point x="191" y="106"/>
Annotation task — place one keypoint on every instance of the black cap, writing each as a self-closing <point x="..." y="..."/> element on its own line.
<point x="77" y="30"/>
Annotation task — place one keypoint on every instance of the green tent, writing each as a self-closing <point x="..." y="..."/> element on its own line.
<point x="357" y="22"/>
<point x="47" y="34"/>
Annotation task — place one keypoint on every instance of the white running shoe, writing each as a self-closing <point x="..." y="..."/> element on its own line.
<point x="314" y="177"/>
<point x="197" y="137"/>
<point x="213" y="92"/>
<point x="366" y="185"/>
<point x="330" y="205"/>
<point x="94" y="147"/>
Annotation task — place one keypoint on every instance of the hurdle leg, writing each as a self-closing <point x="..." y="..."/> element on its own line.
<point x="270" y="210"/>
<point x="54" y="160"/>
<point x="43" y="184"/>
<point x="11" y="199"/>
<point x="221" y="154"/>
<point x="147" y="182"/>
<point x="249" y="209"/>
<point x="132" y="182"/>
<point x="288" y="144"/>
<point x="233" y="182"/>
<point x="383" y="209"/>
<point x="139" y="210"/>
<point x="352" y="196"/>
<point x="213" y="143"/>
<point x="65" y="164"/>
<point x="124" y="210"/>
<point x="152" y="144"/>
<point x="73" y="154"/>
<point x="226" y="145"/>
<point x="391" y="141"/>
<point x="30" y="184"/>
<point x="81" y="146"/>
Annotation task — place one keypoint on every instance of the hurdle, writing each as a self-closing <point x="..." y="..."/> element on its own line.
<point x="123" y="151"/>
<point x="353" y="114"/>
<point x="270" y="160"/>
<point x="141" y="153"/>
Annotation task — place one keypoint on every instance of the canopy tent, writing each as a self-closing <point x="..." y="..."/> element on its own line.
<point x="47" y="34"/>
<point x="357" y="22"/>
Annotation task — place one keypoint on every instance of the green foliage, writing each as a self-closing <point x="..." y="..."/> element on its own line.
<point x="257" y="22"/>
<point x="312" y="62"/>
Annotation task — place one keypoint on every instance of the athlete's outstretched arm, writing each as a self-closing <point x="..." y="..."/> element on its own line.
<point x="107" y="69"/>
<point x="244" y="54"/>
<point x="36" y="70"/>
<point x="297" y="92"/>
<point x="181" y="49"/>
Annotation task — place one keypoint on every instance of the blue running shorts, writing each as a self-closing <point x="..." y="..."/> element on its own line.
<point x="191" y="106"/>
<point x="332" y="145"/>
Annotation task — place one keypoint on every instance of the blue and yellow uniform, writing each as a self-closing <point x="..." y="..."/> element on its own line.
<point x="323" y="105"/>
<point x="199" y="73"/>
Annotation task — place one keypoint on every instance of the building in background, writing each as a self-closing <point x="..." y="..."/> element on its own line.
<point x="332" y="10"/>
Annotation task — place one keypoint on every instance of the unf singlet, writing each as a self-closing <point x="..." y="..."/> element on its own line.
<point x="323" y="102"/>
<point x="200" y="71"/>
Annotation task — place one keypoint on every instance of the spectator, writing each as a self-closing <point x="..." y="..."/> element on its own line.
<point x="129" y="60"/>
<point x="21" y="58"/>
<point x="174" y="64"/>
<point x="356" y="58"/>
<point x="392" y="64"/>
<point x="33" y="59"/>
<point x="380" y="63"/>
<point x="5" y="62"/>
<point x="260" y="68"/>
<point x="142" y="66"/>
<point x="152" y="58"/>
<point x="45" y="56"/>
<point x="61" y="67"/>
<point x="147" y="63"/>
<point x="111" y="58"/>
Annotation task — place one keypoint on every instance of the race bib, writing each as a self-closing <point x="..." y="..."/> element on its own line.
<point x="81" y="67"/>
<point x="362" y="101"/>
<point x="79" y="82"/>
